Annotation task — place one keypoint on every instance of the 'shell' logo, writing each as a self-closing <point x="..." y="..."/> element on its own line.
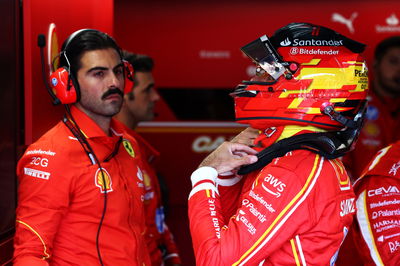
<point x="103" y="180"/>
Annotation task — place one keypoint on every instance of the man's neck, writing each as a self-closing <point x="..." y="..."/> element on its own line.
<point x="104" y="124"/>
<point x="126" y="118"/>
<point x="102" y="121"/>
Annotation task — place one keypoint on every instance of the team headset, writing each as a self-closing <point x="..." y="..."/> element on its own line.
<point x="65" y="86"/>
<point x="64" y="89"/>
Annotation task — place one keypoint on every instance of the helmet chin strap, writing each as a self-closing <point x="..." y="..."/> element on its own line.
<point x="329" y="110"/>
<point x="267" y="137"/>
<point x="331" y="145"/>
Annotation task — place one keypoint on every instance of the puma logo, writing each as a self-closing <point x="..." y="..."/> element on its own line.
<point x="336" y="17"/>
<point x="392" y="20"/>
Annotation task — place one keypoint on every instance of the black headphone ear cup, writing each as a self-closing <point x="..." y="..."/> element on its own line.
<point x="63" y="87"/>
<point x="128" y="74"/>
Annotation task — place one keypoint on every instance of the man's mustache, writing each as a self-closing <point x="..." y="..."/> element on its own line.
<point x="112" y="91"/>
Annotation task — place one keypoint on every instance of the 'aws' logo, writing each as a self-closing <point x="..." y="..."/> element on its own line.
<point x="273" y="185"/>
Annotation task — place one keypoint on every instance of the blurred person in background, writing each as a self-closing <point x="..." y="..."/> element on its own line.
<point x="382" y="123"/>
<point x="138" y="106"/>
<point x="376" y="232"/>
<point x="381" y="128"/>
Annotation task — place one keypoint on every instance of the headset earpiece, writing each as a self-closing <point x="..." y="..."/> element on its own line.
<point x="63" y="86"/>
<point x="128" y="74"/>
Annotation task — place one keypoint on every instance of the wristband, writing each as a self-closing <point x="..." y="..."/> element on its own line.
<point x="227" y="182"/>
<point x="204" y="173"/>
<point x="204" y="186"/>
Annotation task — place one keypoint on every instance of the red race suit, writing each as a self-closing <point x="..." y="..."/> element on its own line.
<point x="377" y="232"/>
<point x="294" y="211"/>
<point x="381" y="128"/>
<point x="61" y="199"/>
<point x="159" y="239"/>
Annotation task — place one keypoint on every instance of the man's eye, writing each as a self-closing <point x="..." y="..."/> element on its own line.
<point x="119" y="71"/>
<point x="99" y="74"/>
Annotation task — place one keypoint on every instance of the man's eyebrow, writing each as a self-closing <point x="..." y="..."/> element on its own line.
<point x="96" y="69"/>
<point x="104" y="68"/>
<point x="151" y="85"/>
<point x="118" y="66"/>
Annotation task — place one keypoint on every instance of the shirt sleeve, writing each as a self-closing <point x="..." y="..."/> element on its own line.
<point x="229" y="188"/>
<point x="43" y="197"/>
<point x="269" y="214"/>
<point x="171" y="255"/>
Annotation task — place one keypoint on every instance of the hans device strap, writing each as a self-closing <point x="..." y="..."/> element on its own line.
<point x="328" y="144"/>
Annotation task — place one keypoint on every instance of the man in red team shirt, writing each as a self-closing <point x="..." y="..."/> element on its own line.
<point x="376" y="233"/>
<point x="382" y="123"/>
<point x="80" y="188"/>
<point x="381" y="127"/>
<point x="295" y="203"/>
<point x="138" y="106"/>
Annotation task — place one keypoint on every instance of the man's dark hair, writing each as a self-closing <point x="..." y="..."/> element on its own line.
<point x="384" y="46"/>
<point x="140" y="62"/>
<point x="82" y="41"/>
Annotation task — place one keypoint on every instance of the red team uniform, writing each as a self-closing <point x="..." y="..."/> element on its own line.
<point x="295" y="205"/>
<point x="377" y="234"/>
<point x="159" y="239"/>
<point x="61" y="199"/>
<point x="295" y="211"/>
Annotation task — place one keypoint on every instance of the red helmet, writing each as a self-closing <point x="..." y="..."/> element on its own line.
<point x="306" y="75"/>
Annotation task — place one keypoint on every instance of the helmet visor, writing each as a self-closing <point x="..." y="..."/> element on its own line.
<point x="265" y="57"/>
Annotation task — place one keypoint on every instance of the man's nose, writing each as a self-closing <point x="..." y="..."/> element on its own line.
<point x="155" y="96"/>
<point x="114" y="81"/>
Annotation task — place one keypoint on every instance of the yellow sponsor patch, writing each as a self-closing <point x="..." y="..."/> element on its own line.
<point x="146" y="180"/>
<point x="103" y="180"/>
<point x="128" y="147"/>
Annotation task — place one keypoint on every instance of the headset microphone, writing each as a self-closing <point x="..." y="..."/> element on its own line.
<point x="41" y="44"/>
<point x="41" y="40"/>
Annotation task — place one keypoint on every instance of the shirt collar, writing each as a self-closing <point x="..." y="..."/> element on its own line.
<point x="90" y="128"/>
<point x="150" y="152"/>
